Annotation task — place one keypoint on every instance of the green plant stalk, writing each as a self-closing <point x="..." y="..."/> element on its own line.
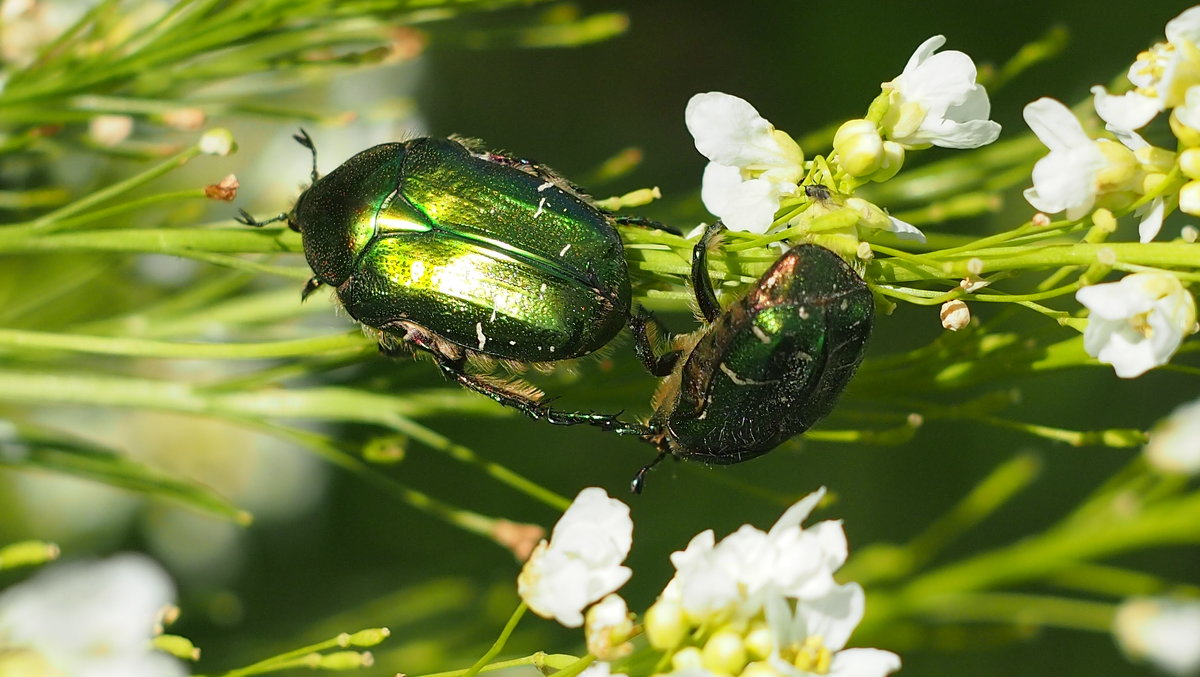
<point x="498" y="645"/>
<point x="538" y="660"/>
<point x="135" y="347"/>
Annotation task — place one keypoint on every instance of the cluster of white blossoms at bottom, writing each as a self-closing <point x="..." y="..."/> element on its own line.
<point x="87" y="619"/>
<point x="755" y="604"/>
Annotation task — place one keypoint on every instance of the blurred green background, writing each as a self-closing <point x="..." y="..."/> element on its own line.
<point x="345" y="555"/>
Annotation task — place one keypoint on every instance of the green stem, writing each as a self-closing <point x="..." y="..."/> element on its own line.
<point x="134" y="347"/>
<point x="498" y="645"/>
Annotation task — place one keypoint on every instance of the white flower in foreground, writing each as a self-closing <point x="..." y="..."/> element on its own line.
<point x="810" y="639"/>
<point x="1174" y="444"/>
<point x="1161" y="75"/>
<point x="1164" y="632"/>
<point x="582" y="561"/>
<point x="87" y="620"/>
<point x="1137" y="323"/>
<point x="738" y="575"/>
<point x="1070" y="177"/>
<point x="751" y="164"/>
<point x="937" y="101"/>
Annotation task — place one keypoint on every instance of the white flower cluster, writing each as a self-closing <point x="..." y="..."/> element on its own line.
<point x="756" y="170"/>
<point x="1137" y="323"/>
<point x="755" y="604"/>
<point x="87" y="620"/>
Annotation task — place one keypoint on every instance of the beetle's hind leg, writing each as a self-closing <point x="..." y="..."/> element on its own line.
<point x="530" y="406"/>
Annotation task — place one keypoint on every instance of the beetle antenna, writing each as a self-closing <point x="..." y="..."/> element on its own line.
<point x="305" y="140"/>
<point x="639" y="480"/>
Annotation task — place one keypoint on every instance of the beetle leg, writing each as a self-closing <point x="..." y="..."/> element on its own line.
<point x="245" y="219"/>
<point x="639" y="480"/>
<point x="706" y="298"/>
<point x="658" y="365"/>
<point x="643" y="222"/>
<point x="455" y="369"/>
<point x="311" y="286"/>
<point x="305" y="140"/>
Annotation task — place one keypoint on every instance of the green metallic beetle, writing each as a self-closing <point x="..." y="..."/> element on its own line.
<point x="459" y="253"/>
<point x="766" y="368"/>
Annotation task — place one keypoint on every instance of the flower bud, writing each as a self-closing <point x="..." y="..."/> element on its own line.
<point x="1120" y="166"/>
<point x="893" y="160"/>
<point x="1189" y="198"/>
<point x="1187" y="136"/>
<point x="760" y="669"/>
<point x="859" y="147"/>
<point x="1189" y="163"/>
<point x="759" y="641"/>
<point x="665" y="625"/>
<point x="724" y="653"/>
<point x="217" y="141"/>
<point x="687" y="658"/>
<point x="955" y="315"/>
<point x="1155" y="159"/>
<point x="607" y="626"/>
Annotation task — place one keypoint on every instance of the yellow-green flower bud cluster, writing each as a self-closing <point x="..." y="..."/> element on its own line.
<point x="1189" y="165"/>
<point x="737" y="648"/>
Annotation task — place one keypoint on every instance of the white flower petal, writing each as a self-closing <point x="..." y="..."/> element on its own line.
<point x="863" y="663"/>
<point x="1151" y="215"/>
<point x="1185" y="27"/>
<point x="835" y="615"/>
<point x="905" y="230"/>
<point x="1127" y="112"/>
<point x="742" y="205"/>
<point x="1055" y="125"/>
<point x="729" y="131"/>
<point x="794" y="516"/>
<point x="1189" y="112"/>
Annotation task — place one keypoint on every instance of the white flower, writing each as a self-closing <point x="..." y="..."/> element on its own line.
<point x="582" y="561"/>
<point x="751" y="164"/>
<point x="1164" y="632"/>
<point x="1174" y="444"/>
<point x="1137" y="323"/>
<point x="937" y="101"/>
<point x="87" y="620"/>
<point x="1161" y="75"/>
<point x="738" y="575"/>
<point x="1067" y="177"/>
<point x="810" y="640"/>
<point x="608" y="627"/>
